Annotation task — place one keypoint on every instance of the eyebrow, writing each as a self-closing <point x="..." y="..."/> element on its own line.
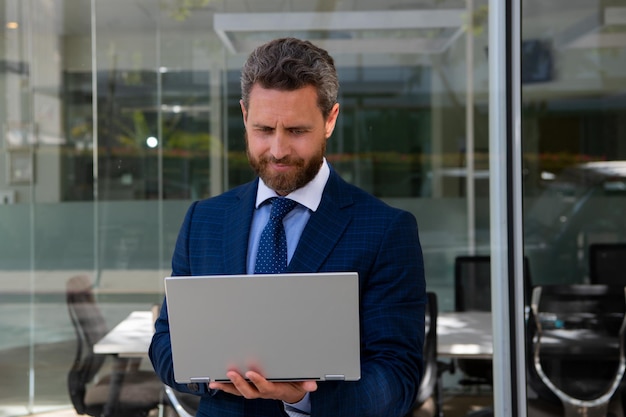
<point x="298" y="127"/>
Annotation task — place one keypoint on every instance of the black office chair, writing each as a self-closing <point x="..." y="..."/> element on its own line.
<point x="576" y="346"/>
<point x="428" y="399"/>
<point x="127" y="391"/>
<point x="472" y="292"/>
<point x="472" y="283"/>
<point x="607" y="263"/>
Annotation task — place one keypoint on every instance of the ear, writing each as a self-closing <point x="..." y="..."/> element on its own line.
<point x="331" y="120"/>
<point x="244" y="111"/>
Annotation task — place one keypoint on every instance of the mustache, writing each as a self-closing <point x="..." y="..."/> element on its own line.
<point x="287" y="160"/>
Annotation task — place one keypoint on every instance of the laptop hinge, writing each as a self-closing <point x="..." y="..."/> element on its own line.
<point x="335" y="377"/>
<point x="200" y="380"/>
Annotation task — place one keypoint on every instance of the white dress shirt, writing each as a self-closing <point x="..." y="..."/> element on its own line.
<point x="309" y="198"/>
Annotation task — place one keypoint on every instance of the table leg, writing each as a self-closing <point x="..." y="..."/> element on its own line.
<point x="115" y="386"/>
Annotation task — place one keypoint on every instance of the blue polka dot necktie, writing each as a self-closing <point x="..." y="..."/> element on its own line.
<point x="271" y="257"/>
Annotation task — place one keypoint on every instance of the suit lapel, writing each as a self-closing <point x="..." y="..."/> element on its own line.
<point x="324" y="228"/>
<point x="237" y="220"/>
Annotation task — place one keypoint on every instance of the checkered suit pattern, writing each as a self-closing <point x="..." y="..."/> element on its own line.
<point x="350" y="231"/>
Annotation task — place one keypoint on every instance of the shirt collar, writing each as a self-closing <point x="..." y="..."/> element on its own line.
<point x="309" y="196"/>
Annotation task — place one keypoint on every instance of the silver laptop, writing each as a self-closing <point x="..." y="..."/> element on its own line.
<point x="287" y="327"/>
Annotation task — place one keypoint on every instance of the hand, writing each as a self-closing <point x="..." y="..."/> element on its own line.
<point x="259" y="387"/>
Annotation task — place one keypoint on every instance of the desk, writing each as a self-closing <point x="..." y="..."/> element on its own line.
<point x="468" y="334"/>
<point x="459" y="334"/>
<point x="465" y="334"/>
<point x="130" y="338"/>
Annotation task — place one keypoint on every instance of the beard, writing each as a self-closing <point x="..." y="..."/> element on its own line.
<point x="285" y="183"/>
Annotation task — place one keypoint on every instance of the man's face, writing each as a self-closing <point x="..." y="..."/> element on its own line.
<point x="286" y="136"/>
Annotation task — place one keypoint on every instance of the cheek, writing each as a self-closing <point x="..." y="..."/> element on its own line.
<point x="255" y="145"/>
<point x="311" y="147"/>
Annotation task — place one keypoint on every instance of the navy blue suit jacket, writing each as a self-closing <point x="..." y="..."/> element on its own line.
<point x="350" y="231"/>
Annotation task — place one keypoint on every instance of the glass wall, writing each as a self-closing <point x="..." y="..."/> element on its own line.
<point x="116" y="115"/>
<point x="574" y="126"/>
<point x="574" y="147"/>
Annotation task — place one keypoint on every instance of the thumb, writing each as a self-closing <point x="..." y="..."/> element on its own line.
<point x="309" y="386"/>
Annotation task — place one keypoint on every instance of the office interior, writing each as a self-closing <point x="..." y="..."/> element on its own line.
<point x="117" y="114"/>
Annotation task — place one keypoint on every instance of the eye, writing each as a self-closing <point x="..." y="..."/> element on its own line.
<point x="264" y="129"/>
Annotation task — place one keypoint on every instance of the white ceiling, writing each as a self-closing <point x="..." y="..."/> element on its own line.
<point x="546" y="19"/>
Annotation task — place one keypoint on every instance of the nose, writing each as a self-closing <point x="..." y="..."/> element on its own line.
<point x="279" y="146"/>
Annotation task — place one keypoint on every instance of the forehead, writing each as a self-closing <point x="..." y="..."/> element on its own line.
<point x="272" y="103"/>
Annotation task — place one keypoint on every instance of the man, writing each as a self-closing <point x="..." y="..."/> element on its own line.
<point x="289" y="105"/>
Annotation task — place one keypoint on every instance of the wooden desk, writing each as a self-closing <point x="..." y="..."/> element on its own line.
<point x="130" y="338"/>
<point x="465" y="334"/>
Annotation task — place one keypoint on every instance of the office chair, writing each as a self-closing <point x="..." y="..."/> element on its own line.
<point x="127" y="391"/>
<point x="607" y="263"/>
<point x="576" y="346"/>
<point x="428" y="402"/>
<point x="472" y="292"/>
<point x="472" y="283"/>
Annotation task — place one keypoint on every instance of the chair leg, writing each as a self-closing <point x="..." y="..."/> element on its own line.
<point x="441" y="368"/>
<point x="176" y="405"/>
<point x="161" y="406"/>
<point x="439" y="397"/>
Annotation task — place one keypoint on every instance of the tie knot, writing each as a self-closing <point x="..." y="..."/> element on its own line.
<point x="280" y="207"/>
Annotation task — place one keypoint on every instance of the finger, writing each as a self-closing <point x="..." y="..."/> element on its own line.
<point x="244" y="387"/>
<point x="275" y="390"/>
<point x="309" y="386"/>
<point x="290" y="392"/>
<point x="226" y="387"/>
<point x="261" y="384"/>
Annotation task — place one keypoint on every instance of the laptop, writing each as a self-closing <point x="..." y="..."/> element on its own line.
<point x="287" y="327"/>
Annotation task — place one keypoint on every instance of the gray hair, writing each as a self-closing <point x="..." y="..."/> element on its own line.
<point x="289" y="64"/>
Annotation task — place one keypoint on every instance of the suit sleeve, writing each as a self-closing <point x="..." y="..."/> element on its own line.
<point x="393" y="297"/>
<point x="160" y="351"/>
